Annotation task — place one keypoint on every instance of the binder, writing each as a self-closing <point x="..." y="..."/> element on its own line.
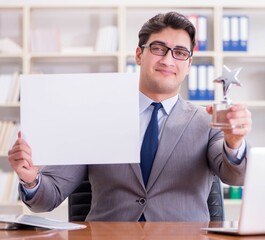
<point x="130" y="67"/>
<point x="235" y="192"/>
<point x="202" y="33"/>
<point x="235" y="33"/>
<point x="5" y="87"/>
<point x="226" y="191"/>
<point x="210" y="83"/>
<point x="193" y="83"/>
<point x="194" y="20"/>
<point x="226" y="33"/>
<point x="243" y="33"/>
<point x="202" y="82"/>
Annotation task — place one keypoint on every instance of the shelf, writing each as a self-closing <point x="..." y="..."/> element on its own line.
<point x="232" y="209"/>
<point x="7" y="204"/>
<point x="10" y="112"/>
<point x="233" y="54"/>
<point x="202" y="103"/>
<point x="9" y="55"/>
<point x="232" y="202"/>
<point x="250" y="104"/>
<point x="255" y="104"/>
<point x="5" y="166"/>
<point x="70" y="55"/>
<point x="80" y="31"/>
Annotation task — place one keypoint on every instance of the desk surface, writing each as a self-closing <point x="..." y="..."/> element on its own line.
<point x="126" y="231"/>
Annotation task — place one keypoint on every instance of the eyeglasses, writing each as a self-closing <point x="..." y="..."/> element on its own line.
<point x="178" y="53"/>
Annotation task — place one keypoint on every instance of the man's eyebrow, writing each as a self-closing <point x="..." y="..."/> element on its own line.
<point x="164" y="44"/>
<point x="159" y="42"/>
<point x="182" y="47"/>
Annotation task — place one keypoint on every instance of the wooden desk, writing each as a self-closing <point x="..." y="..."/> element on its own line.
<point x="126" y="231"/>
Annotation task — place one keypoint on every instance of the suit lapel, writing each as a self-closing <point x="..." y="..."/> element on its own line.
<point x="137" y="170"/>
<point x="175" y="125"/>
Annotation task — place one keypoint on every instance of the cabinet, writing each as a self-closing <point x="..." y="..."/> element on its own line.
<point x="102" y="38"/>
<point x="78" y="39"/>
<point x="253" y="73"/>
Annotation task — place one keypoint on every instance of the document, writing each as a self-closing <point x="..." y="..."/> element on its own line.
<point x="81" y="118"/>
<point x="13" y="222"/>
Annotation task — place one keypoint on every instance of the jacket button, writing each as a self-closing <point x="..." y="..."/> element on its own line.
<point x="142" y="201"/>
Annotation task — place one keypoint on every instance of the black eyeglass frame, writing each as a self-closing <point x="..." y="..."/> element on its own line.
<point x="168" y="49"/>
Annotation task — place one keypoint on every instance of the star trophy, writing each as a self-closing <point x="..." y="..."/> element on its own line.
<point x="220" y="109"/>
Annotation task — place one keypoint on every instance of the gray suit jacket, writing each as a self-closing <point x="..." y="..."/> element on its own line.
<point x="188" y="156"/>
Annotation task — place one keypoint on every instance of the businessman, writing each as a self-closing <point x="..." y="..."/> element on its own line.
<point x="180" y="154"/>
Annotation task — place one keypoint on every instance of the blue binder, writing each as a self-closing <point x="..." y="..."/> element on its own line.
<point x="202" y="82"/>
<point x="226" y="33"/>
<point x="193" y="83"/>
<point x="235" y="33"/>
<point x="234" y="22"/>
<point x="210" y="83"/>
<point x="243" y="33"/>
<point x="202" y="33"/>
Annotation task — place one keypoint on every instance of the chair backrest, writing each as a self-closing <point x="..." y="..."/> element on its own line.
<point x="79" y="202"/>
<point x="215" y="201"/>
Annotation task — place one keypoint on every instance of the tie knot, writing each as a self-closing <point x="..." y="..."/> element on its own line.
<point x="157" y="106"/>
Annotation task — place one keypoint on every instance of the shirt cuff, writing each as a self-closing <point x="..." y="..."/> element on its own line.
<point x="30" y="192"/>
<point x="235" y="156"/>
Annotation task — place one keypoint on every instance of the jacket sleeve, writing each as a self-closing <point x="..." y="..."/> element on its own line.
<point x="57" y="183"/>
<point x="229" y="172"/>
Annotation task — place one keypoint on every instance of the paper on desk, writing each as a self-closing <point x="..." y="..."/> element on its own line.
<point x="81" y="118"/>
<point x="37" y="221"/>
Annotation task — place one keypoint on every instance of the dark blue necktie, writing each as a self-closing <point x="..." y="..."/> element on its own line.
<point x="150" y="144"/>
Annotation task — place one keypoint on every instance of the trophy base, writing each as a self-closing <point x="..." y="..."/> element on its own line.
<point x="222" y="126"/>
<point x="219" y="119"/>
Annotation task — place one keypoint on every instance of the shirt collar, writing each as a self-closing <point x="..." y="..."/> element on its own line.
<point x="145" y="102"/>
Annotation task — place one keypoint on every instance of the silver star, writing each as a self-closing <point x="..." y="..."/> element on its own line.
<point x="227" y="79"/>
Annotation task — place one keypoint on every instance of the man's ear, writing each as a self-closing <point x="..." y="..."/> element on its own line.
<point x="138" y="56"/>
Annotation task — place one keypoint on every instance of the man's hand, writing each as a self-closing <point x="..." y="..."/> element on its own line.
<point x="237" y="115"/>
<point x="21" y="160"/>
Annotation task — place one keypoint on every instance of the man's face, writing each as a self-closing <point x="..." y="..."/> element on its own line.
<point x="161" y="76"/>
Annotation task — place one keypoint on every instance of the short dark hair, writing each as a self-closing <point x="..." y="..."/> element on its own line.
<point x="161" y="21"/>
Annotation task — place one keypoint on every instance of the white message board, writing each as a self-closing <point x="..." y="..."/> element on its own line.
<point x="81" y="118"/>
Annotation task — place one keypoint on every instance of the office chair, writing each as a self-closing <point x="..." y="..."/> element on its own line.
<point x="215" y="201"/>
<point x="79" y="202"/>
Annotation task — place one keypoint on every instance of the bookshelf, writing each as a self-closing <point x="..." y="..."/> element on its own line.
<point x="74" y="46"/>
